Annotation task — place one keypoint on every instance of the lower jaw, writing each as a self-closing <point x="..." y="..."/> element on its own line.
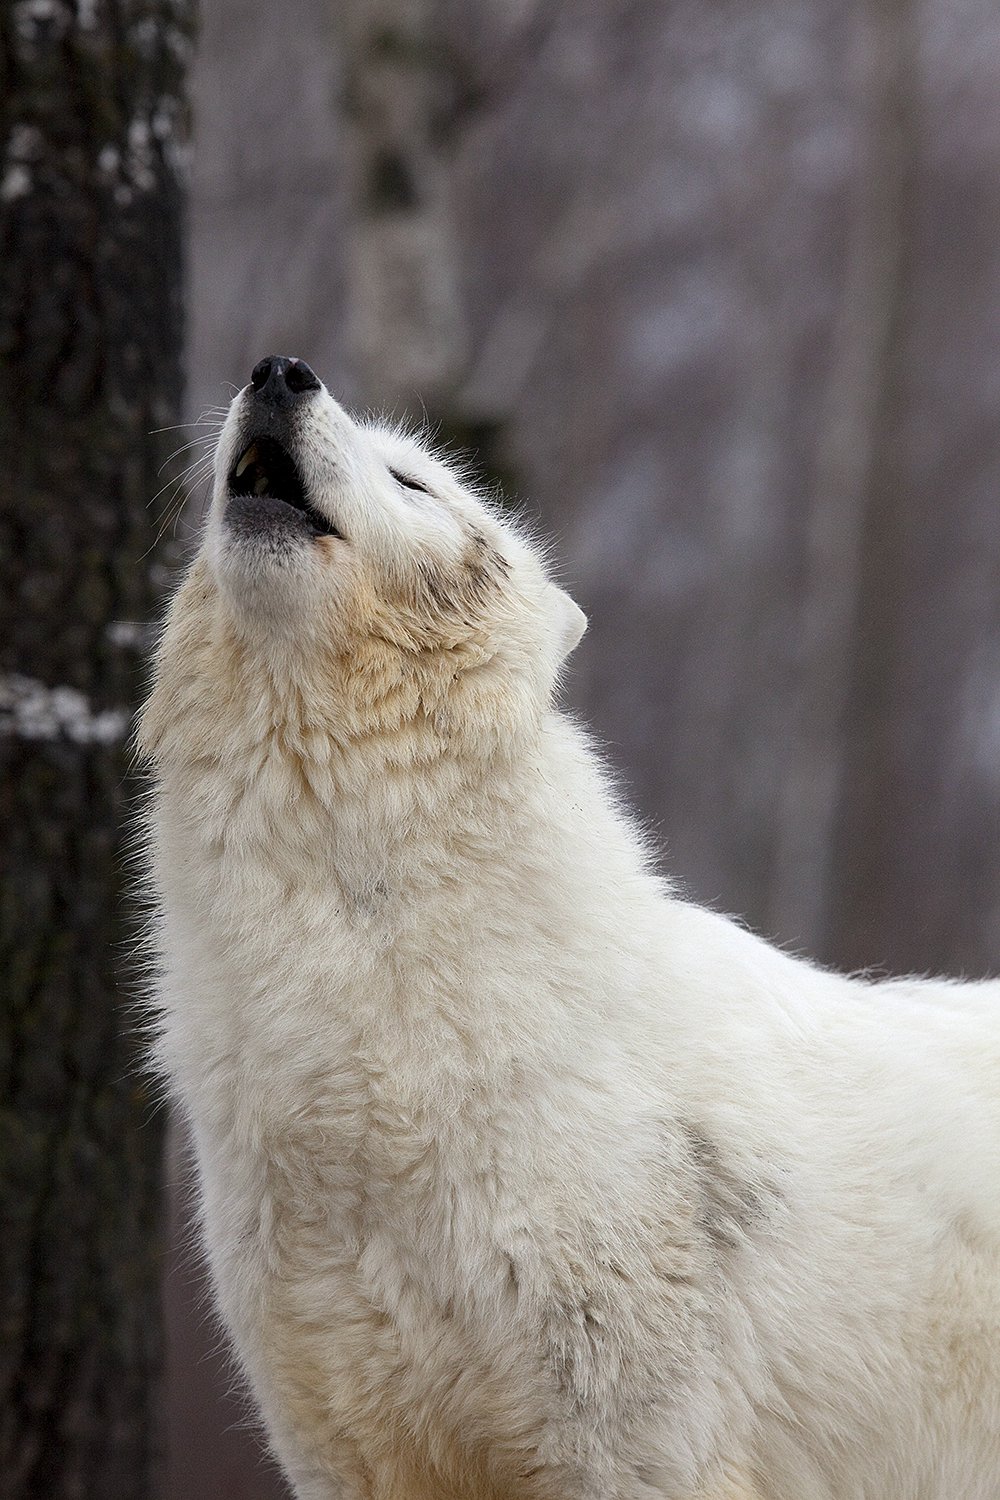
<point x="264" y="518"/>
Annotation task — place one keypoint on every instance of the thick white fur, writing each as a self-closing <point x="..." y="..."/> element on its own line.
<point x="522" y="1178"/>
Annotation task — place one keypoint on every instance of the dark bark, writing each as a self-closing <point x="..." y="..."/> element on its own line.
<point x="91" y="121"/>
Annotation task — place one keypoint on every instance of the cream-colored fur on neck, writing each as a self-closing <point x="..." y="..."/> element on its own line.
<point x="521" y="1178"/>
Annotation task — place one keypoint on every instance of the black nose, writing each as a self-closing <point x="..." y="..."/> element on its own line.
<point x="280" y="382"/>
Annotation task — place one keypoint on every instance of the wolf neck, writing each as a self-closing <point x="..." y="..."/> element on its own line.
<point x="267" y="785"/>
<point x="269" y="823"/>
<point x="374" y="829"/>
<point x="262" y="812"/>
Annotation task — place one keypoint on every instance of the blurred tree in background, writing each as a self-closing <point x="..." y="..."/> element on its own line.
<point x="92" y="116"/>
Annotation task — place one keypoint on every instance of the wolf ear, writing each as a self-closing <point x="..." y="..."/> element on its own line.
<point x="570" y="620"/>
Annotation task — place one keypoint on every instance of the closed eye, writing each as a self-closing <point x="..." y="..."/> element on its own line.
<point x="410" y="484"/>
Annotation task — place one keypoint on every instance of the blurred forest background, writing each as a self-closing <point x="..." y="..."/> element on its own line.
<point x="714" y="289"/>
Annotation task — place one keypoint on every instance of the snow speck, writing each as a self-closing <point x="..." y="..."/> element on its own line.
<point x="16" y="182"/>
<point x="25" y="143"/>
<point x="35" y="17"/>
<point x="31" y="710"/>
<point x="132" y="635"/>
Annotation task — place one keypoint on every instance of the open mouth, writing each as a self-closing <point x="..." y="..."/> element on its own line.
<point x="267" y="470"/>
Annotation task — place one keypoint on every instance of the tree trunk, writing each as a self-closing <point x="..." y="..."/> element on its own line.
<point x="871" y="919"/>
<point x="408" y="99"/>
<point x="402" y="101"/>
<point x="832" y="779"/>
<point x="91" y="120"/>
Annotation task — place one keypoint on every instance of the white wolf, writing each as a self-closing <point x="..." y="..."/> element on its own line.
<point x="521" y="1177"/>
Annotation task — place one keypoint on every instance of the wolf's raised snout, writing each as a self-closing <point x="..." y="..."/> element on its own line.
<point x="278" y="381"/>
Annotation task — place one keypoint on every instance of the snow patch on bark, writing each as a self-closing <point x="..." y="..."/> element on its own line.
<point x="31" y="710"/>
